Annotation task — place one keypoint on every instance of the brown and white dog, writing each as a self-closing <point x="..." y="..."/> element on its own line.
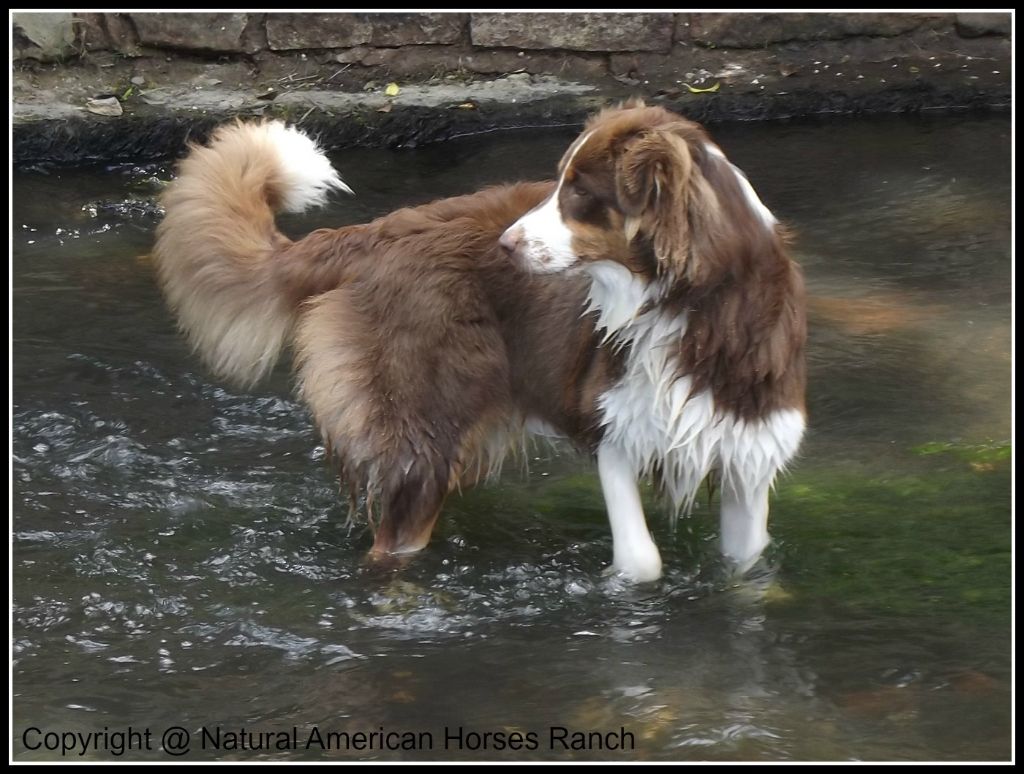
<point x="642" y="306"/>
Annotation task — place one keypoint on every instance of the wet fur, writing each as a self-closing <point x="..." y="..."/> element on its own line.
<point x="422" y="347"/>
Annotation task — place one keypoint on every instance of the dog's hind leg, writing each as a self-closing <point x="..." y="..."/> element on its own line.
<point x="411" y="504"/>
<point x="405" y="397"/>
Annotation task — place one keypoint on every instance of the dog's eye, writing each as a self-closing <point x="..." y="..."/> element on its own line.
<point x="580" y="191"/>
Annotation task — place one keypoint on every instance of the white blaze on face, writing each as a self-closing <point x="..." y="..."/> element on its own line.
<point x="543" y="240"/>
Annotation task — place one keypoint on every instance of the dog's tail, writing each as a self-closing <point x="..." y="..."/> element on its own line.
<point x="216" y="247"/>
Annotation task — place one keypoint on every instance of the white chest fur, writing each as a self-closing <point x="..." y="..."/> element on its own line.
<point x="652" y="417"/>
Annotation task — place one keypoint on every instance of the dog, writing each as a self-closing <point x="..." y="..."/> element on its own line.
<point x="642" y="305"/>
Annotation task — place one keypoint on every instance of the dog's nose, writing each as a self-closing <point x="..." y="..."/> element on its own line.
<point x="511" y="238"/>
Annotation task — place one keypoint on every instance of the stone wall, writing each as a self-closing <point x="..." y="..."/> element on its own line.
<point x="135" y="85"/>
<point x="418" y="44"/>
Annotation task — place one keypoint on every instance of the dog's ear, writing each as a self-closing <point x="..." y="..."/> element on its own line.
<point x="668" y="202"/>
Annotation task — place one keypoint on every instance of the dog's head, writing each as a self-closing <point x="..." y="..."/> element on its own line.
<point x="647" y="189"/>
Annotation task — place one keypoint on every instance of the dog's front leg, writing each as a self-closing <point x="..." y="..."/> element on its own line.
<point x="635" y="554"/>
<point x="744" y="521"/>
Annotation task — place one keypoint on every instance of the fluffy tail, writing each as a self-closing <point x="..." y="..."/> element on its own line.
<point x="217" y="243"/>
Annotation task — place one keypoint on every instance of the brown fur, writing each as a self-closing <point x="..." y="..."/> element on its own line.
<point x="422" y="362"/>
<point x="643" y="190"/>
<point x="421" y="349"/>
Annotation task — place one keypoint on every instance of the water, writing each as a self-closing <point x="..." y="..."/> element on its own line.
<point x="181" y="557"/>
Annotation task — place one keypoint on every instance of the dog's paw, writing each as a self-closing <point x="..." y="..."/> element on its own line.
<point x="752" y="567"/>
<point x="638" y="566"/>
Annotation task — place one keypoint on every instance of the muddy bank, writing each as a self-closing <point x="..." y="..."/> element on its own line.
<point x="136" y="86"/>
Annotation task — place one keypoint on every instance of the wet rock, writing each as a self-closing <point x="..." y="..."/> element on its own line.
<point x="755" y="30"/>
<point x="576" y="32"/>
<point x="201" y="32"/>
<point x="47" y="37"/>
<point x="287" y="31"/>
<point x="972" y="25"/>
<point x="104" y="106"/>
<point x="205" y="81"/>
